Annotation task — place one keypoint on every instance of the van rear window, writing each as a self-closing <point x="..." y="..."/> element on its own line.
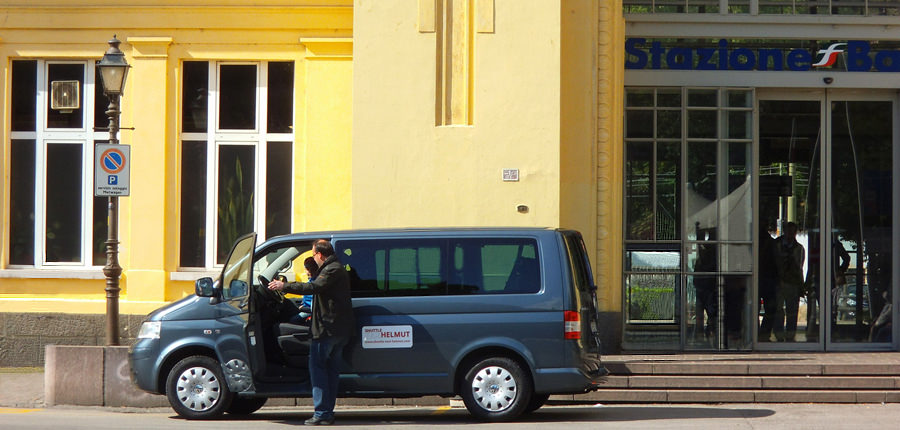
<point x="438" y="267"/>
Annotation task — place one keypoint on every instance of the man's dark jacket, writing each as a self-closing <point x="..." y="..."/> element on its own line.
<point x="332" y="310"/>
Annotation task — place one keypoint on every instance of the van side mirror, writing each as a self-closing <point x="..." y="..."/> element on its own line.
<point x="203" y="287"/>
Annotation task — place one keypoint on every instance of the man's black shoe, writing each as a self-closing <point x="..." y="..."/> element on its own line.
<point x="316" y="421"/>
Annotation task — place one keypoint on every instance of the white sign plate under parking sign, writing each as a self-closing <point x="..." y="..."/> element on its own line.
<point x="387" y="336"/>
<point x="112" y="170"/>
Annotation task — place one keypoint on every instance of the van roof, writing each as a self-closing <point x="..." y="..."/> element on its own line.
<point x="430" y="231"/>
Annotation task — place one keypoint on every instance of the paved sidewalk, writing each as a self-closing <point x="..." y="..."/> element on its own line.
<point x="21" y="387"/>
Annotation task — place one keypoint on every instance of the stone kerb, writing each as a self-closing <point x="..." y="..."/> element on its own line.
<point x="92" y="376"/>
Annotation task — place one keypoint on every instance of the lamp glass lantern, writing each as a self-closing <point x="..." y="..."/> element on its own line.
<point x="113" y="69"/>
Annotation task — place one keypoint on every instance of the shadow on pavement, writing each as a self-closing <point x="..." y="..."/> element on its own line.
<point x="552" y="414"/>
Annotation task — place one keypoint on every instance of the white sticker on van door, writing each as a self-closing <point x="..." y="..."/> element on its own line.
<point x="387" y="336"/>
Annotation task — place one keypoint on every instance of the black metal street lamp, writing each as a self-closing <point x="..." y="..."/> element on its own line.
<point x="113" y="71"/>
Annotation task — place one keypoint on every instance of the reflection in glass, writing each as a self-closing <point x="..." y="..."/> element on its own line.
<point x="862" y="208"/>
<point x="236" y="183"/>
<point x="789" y="135"/>
<point x="638" y="198"/>
<point x="701" y="197"/>
<point x="650" y="298"/>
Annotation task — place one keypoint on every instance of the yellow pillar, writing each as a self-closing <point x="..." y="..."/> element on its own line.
<point x="145" y="110"/>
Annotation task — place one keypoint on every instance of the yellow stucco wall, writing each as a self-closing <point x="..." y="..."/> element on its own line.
<point x="157" y="36"/>
<point x="406" y="113"/>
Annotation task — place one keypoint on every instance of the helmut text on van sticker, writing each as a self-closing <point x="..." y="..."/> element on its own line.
<point x="387" y="336"/>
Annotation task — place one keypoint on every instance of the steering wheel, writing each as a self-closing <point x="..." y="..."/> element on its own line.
<point x="277" y="296"/>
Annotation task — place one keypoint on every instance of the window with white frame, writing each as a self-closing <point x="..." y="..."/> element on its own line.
<point x="236" y="155"/>
<point x="57" y="114"/>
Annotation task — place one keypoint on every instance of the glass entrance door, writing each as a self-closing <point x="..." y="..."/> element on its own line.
<point x="825" y="210"/>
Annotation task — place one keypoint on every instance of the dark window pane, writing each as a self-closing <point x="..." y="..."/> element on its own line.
<point x="638" y="97"/>
<point x="101" y="230"/>
<point x="668" y="124"/>
<point x="237" y="170"/>
<point x="21" y="202"/>
<point x="702" y="123"/>
<point x="194" y="96"/>
<point x="24" y="94"/>
<point x="510" y="268"/>
<point x="73" y="118"/>
<point x="639" y="123"/>
<point x="237" y="97"/>
<point x="193" y="204"/>
<point x="279" y="164"/>
<point x="63" y="207"/>
<point x="101" y="104"/>
<point x="281" y="97"/>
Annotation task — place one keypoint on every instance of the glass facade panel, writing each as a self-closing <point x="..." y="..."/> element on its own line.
<point x="638" y="195"/>
<point x="862" y="230"/>
<point x="767" y="7"/>
<point x="639" y="123"/>
<point x="699" y="172"/>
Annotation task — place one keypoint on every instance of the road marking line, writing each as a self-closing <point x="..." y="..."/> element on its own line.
<point x="16" y="411"/>
<point x="441" y="410"/>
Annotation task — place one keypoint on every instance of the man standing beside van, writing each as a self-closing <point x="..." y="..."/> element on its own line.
<point x="331" y="328"/>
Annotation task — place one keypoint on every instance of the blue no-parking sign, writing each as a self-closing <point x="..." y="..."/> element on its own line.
<point x="112" y="167"/>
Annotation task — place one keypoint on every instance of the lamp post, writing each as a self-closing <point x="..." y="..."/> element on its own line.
<point x="113" y="71"/>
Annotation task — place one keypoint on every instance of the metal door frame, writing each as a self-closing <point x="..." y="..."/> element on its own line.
<point x="825" y="97"/>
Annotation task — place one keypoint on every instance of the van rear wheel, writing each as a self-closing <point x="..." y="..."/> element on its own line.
<point x="196" y="388"/>
<point x="496" y="389"/>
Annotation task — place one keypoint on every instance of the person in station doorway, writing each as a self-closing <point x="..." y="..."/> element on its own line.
<point x="768" y="281"/>
<point x="331" y="328"/>
<point x="789" y="258"/>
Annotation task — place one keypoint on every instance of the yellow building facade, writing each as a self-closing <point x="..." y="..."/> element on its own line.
<point x="301" y="115"/>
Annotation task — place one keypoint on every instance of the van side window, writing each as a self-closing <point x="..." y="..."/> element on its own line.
<point x="438" y="267"/>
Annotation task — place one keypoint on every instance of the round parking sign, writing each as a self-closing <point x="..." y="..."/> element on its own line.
<point x="112" y="161"/>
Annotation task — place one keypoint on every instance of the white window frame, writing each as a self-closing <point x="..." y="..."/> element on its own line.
<point x="44" y="136"/>
<point x="215" y="138"/>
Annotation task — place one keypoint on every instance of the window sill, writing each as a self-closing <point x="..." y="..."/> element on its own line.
<point x="194" y="275"/>
<point x="89" y="273"/>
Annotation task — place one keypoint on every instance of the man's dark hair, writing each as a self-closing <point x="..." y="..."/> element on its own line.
<point x="324" y="247"/>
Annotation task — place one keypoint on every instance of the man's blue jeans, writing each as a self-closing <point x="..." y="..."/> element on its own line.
<point x="325" y="358"/>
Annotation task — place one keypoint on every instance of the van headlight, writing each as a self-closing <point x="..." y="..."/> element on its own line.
<point x="149" y="330"/>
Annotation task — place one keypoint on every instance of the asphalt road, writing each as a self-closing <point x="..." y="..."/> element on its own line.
<point x="668" y="417"/>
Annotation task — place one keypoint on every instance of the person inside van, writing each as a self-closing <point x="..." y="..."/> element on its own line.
<point x="331" y="327"/>
<point x="305" y="305"/>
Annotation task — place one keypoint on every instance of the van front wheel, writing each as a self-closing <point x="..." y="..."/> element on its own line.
<point x="497" y="389"/>
<point x="196" y="388"/>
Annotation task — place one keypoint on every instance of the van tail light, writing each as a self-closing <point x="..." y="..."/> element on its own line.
<point x="573" y="324"/>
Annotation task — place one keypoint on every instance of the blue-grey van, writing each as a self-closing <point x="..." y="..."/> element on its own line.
<point x="502" y="317"/>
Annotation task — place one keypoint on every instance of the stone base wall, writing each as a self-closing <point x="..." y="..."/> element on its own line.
<point x="24" y="336"/>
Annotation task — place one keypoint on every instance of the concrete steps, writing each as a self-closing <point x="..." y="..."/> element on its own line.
<point x="750" y="378"/>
